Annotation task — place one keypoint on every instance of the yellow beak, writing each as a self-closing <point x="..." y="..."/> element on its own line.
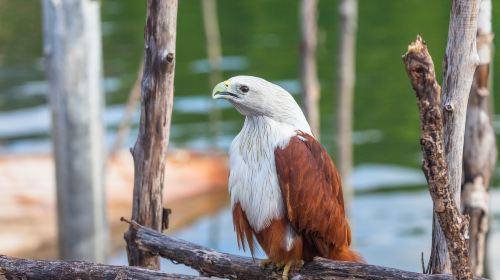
<point x="221" y="90"/>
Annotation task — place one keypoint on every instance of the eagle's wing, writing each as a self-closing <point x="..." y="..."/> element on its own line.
<point x="312" y="192"/>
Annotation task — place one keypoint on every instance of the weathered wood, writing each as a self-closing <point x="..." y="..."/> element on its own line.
<point x="213" y="263"/>
<point x="308" y="71"/>
<point x="459" y="65"/>
<point x="479" y="145"/>
<point x="72" y="48"/>
<point x="14" y="268"/>
<point x="156" y="109"/>
<point x="420" y="69"/>
<point x="348" y="11"/>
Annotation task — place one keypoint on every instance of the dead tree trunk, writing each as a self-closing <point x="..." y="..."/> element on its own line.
<point x="459" y="65"/>
<point x="214" y="54"/>
<point x="156" y="109"/>
<point x="420" y="69"/>
<point x="479" y="145"/>
<point x="348" y="11"/>
<point x="308" y="72"/>
<point x="72" y="49"/>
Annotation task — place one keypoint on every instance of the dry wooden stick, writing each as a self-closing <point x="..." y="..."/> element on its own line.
<point x="212" y="263"/>
<point x="14" y="268"/>
<point x="480" y="150"/>
<point x="420" y="69"/>
<point x="308" y="70"/>
<point x="156" y="109"/>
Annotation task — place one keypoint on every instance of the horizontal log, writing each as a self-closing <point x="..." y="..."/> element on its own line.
<point x="14" y="268"/>
<point x="213" y="263"/>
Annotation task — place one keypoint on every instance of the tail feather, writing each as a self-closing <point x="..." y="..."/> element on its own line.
<point x="346" y="254"/>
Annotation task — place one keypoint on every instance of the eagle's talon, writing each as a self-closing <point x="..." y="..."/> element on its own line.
<point x="286" y="269"/>
<point x="265" y="263"/>
<point x="279" y="265"/>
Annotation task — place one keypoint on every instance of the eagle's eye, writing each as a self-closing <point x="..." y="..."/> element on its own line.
<point x="244" y="89"/>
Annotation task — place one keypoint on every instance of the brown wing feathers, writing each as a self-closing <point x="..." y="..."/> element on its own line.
<point x="312" y="191"/>
<point x="242" y="228"/>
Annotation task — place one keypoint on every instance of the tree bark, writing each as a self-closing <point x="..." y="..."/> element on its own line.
<point x="420" y="69"/>
<point x="72" y="47"/>
<point x="479" y="145"/>
<point x="308" y="72"/>
<point x="14" y="268"/>
<point x="156" y="109"/>
<point x="348" y="11"/>
<point x="217" y="264"/>
<point x="459" y="65"/>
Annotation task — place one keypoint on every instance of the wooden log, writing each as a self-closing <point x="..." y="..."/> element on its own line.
<point x="308" y="71"/>
<point x="480" y="152"/>
<point x="217" y="264"/>
<point x="348" y="11"/>
<point x="156" y="109"/>
<point x="72" y="47"/>
<point x="14" y="268"/>
<point x="459" y="64"/>
<point x="420" y="69"/>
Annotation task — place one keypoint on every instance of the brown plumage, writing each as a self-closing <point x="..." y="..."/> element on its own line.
<point x="312" y="194"/>
<point x="285" y="190"/>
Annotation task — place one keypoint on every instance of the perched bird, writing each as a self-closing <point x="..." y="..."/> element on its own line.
<point x="285" y="190"/>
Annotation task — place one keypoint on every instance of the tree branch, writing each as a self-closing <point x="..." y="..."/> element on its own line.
<point x="420" y="69"/>
<point x="14" y="268"/>
<point x="213" y="263"/>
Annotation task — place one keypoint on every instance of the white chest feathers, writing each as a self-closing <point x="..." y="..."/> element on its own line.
<point x="253" y="181"/>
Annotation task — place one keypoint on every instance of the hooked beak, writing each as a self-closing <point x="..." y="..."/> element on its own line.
<point x="221" y="91"/>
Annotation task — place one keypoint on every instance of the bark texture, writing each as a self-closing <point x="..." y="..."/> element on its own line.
<point x="308" y="71"/>
<point x="212" y="263"/>
<point x="14" y="269"/>
<point x="72" y="48"/>
<point x="459" y="65"/>
<point x="156" y="109"/>
<point x="480" y="151"/>
<point x="420" y="69"/>
<point x="348" y="11"/>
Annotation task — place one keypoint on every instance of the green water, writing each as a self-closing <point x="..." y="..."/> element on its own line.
<point x="266" y="34"/>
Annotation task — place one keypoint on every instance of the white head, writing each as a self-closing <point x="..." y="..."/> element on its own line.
<point x="253" y="96"/>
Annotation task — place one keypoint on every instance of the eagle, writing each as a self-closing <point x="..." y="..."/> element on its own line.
<point x="285" y="190"/>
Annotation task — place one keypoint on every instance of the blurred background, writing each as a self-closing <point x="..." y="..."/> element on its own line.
<point x="391" y="211"/>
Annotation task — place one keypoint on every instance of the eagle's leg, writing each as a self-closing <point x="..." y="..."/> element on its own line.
<point x="279" y="265"/>
<point x="265" y="263"/>
<point x="297" y="264"/>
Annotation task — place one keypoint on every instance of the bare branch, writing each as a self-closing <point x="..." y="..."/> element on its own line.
<point x="420" y="69"/>
<point x="14" y="268"/>
<point x="213" y="263"/>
